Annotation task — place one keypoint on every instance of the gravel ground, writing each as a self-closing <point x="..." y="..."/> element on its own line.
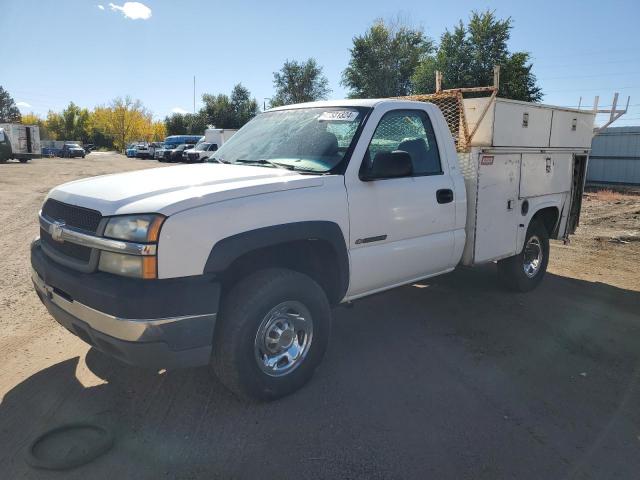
<point x="451" y="378"/>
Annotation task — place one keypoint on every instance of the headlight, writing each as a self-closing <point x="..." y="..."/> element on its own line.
<point x="135" y="228"/>
<point x="128" y="265"/>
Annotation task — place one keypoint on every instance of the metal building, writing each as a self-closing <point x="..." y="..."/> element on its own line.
<point x="615" y="156"/>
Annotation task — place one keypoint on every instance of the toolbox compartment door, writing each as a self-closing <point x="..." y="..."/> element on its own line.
<point x="496" y="211"/>
<point x="545" y="173"/>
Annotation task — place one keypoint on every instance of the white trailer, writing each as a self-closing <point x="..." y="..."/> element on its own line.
<point x="23" y="142"/>
<point x="218" y="136"/>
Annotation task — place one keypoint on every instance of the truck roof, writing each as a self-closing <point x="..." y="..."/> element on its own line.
<point x="360" y="102"/>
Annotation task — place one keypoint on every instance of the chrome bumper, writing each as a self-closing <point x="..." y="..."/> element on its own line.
<point x="127" y="329"/>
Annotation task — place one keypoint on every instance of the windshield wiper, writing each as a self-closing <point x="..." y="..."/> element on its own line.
<point x="262" y="161"/>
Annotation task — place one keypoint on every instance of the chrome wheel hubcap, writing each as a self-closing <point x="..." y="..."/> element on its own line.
<point x="283" y="338"/>
<point x="532" y="257"/>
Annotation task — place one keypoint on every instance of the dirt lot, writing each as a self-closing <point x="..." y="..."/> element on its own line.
<point x="454" y="378"/>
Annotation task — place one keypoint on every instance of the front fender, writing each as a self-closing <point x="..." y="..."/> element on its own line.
<point x="229" y="249"/>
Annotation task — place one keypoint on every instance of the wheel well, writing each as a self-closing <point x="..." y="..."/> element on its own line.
<point x="315" y="258"/>
<point x="549" y="218"/>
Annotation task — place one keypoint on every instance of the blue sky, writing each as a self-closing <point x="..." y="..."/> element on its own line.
<point x="58" y="51"/>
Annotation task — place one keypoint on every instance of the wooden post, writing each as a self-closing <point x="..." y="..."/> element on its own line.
<point x="438" y="81"/>
<point x="496" y="77"/>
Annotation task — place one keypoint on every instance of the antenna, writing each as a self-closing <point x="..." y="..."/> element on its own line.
<point x="194" y="94"/>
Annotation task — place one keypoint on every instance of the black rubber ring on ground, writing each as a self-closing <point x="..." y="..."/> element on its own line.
<point x="101" y="448"/>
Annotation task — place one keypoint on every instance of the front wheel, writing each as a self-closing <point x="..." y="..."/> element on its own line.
<point x="523" y="272"/>
<point x="272" y="334"/>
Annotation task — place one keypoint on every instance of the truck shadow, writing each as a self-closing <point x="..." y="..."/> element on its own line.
<point x="454" y="377"/>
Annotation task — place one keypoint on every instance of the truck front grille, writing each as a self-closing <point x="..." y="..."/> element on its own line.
<point x="72" y="250"/>
<point x="72" y="215"/>
<point x="81" y="218"/>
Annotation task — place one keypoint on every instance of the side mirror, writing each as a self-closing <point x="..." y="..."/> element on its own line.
<point x="387" y="164"/>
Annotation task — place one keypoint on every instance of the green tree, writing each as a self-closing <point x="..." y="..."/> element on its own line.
<point x="243" y="106"/>
<point x="72" y="123"/>
<point x="466" y="57"/>
<point x="299" y="82"/>
<point x="224" y="111"/>
<point x="9" y="112"/>
<point x="384" y="59"/>
<point x="185" y="124"/>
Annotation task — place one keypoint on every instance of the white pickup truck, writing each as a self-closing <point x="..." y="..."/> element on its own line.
<point x="237" y="262"/>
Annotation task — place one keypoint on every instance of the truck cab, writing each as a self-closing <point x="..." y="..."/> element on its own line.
<point x="237" y="262"/>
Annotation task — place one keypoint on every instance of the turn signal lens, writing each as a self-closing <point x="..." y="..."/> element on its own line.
<point x="149" y="267"/>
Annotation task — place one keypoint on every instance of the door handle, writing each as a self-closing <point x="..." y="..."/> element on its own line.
<point x="444" y="196"/>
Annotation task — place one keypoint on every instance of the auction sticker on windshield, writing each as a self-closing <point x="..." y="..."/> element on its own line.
<point x="338" y="116"/>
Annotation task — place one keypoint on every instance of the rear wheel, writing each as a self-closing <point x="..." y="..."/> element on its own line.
<point x="523" y="272"/>
<point x="272" y="334"/>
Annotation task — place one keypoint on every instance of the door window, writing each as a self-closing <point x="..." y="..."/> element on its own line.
<point x="410" y="131"/>
<point x="1" y="135"/>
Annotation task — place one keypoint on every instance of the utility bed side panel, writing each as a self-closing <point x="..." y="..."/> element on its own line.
<point x="545" y="173"/>
<point x="497" y="216"/>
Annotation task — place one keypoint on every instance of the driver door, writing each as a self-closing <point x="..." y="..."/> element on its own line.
<point x="401" y="229"/>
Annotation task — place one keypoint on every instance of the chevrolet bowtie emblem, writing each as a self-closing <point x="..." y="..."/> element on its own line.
<point x="57" y="231"/>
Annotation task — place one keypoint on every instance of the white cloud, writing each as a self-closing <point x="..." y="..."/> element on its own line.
<point x="23" y="104"/>
<point x="178" y="110"/>
<point x="101" y="7"/>
<point x="133" y="10"/>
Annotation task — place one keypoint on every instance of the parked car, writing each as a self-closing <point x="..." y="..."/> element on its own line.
<point x="175" y="154"/>
<point x="131" y="150"/>
<point x="199" y="153"/>
<point x="71" y="150"/>
<point x="153" y="148"/>
<point x="142" y="150"/>
<point x="172" y="141"/>
<point x="308" y="206"/>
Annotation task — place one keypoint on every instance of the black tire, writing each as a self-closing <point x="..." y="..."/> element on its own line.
<point x="24" y="160"/>
<point x="243" y="309"/>
<point x="512" y="270"/>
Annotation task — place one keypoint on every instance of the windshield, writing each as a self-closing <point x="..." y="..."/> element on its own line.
<point x="202" y="146"/>
<point x="73" y="145"/>
<point x="306" y="139"/>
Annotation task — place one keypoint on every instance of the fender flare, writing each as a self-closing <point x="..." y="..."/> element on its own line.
<point x="229" y="249"/>
<point x="533" y="213"/>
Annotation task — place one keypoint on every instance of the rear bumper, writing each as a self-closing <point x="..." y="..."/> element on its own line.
<point x="150" y="323"/>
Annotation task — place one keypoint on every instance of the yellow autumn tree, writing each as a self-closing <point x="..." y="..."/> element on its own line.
<point x="125" y="120"/>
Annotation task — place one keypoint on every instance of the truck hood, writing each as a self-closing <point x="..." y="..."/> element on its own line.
<point x="173" y="189"/>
